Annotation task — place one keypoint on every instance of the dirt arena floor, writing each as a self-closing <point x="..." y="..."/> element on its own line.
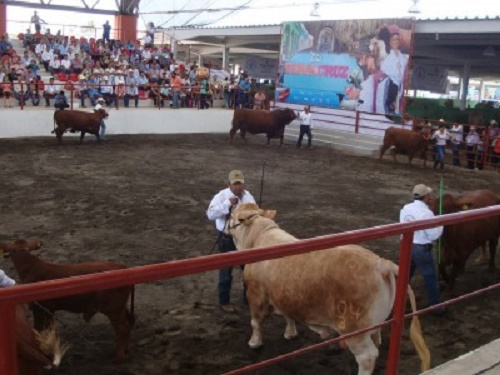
<point x="142" y="199"/>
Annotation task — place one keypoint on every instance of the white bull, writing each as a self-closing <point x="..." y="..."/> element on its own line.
<point x="341" y="289"/>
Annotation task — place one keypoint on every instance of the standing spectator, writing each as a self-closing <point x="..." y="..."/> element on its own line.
<point x="258" y="99"/>
<point x="472" y="141"/>
<point x="176" y="84"/>
<point x="421" y="255"/>
<point x="441" y="136"/>
<point x="219" y="211"/>
<point x="7" y="92"/>
<point x="203" y="94"/>
<point x="131" y="90"/>
<point x="226" y="93"/>
<point x="49" y="92"/>
<point x="151" y="32"/>
<point x="60" y="101"/>
<point x="457" y="132"/>
<point x="305" y="119"/>
<point x="37" y="21"/>
<point x="106" y="31"/>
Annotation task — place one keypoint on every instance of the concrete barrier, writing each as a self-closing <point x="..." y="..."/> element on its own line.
<point x="35" y="122"/>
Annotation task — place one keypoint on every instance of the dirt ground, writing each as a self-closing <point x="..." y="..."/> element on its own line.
<point x="142" y="199"/>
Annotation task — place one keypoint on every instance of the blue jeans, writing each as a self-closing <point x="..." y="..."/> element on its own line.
<point x="226" y="245"/>
<point x="102" y="131"/>
<point x="456" y="154"/>
<point x="421" y="259"/>
<point x="439" y="153"/>
<point x="175" y="99"/>
<point x="127" y="97"/>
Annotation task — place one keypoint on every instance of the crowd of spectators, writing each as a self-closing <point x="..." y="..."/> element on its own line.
<point x="113" y="70"/>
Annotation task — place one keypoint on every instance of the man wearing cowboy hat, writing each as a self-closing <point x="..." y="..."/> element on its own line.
<point x="421" y="255"/>
<point x="102" y="132"/>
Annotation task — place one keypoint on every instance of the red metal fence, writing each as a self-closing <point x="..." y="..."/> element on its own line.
<point x="9" y="297"/>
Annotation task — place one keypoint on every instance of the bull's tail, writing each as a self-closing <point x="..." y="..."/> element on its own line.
<point x="54" y="130"/>
<point x="416" y="336"/>
<point x="389" y="269"/>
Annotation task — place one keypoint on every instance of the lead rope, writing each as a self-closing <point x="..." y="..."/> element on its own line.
<point x="221" y="233"/>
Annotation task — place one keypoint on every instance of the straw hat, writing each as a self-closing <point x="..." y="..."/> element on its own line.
<point x="105" y="78"/>
<point x="81" y="76"/>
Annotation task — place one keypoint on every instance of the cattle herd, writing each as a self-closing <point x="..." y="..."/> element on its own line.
<point x="339" y="290"/>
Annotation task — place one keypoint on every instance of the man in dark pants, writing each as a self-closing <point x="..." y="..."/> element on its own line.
<point x="305" y="119"/>
<point x="219" y="211"/>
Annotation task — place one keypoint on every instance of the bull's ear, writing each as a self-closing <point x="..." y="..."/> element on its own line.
<point x="270" y="214"/>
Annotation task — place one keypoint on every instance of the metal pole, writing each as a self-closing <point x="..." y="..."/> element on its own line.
<point x="72" y="89"/>
<point x="8" y="355"/>
<point x="262" y="181"/>
<point x="399" y="303"/>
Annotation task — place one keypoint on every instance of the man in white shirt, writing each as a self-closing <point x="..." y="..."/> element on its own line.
<point x="421" y="256"/>
<point x="219" y="211"/>
<point x="50" y="91"/>
<point x="305" y="119"/>
<point x="102" y="132"/>
<point x="457" y="137"/>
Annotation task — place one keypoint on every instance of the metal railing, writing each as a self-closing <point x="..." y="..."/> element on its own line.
<point x="9" y="297"/>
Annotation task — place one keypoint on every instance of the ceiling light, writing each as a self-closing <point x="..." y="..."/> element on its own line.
<point x="315" y="11"/>
<point x="414" y="8"/>
<point x="489" y="52"/>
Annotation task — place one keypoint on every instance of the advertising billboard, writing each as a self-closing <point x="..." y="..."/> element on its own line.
<point x="356" y="64"/>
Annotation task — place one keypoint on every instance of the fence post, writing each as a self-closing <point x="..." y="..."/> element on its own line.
<point x="72" y="90"/>
<point x="8" y="355"/>
<point x="399" y="303"/>
<point x="486" y="147"/>
<point x="356" y="125"/>
<point x="21" y="99"/>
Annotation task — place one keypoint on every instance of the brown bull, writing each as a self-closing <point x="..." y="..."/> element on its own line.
<point x="459" y="241"/>
<point x="110" y="302"/>
<point x="406" y="142"/>
<point x="272" y="123"/>
<point x="78" y="121"/>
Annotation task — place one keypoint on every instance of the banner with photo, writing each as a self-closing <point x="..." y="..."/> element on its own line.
<point x="433" y="78"/>
<point x="357" y="64"/>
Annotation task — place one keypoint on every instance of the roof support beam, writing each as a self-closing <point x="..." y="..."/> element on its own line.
<point x="69" y="8"/>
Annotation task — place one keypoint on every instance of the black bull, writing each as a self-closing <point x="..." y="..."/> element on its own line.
<point x="78" y="121"/>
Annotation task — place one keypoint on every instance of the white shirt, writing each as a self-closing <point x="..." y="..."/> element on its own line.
<point x="394" y="66"/>
<point x="473" y="139"/>
<point x="418" y="210"/>
<point x="5" y="280"/>
<point x="457" y="132"/>
<point x="97" y="107"/>
<point x="305" y="118"/>
<point x="51" y="89"/>
<point x="47" y="55"/>
<point x="220" y="205"/>
<point x="441" y="137"/>
<point x="66" y="63"/>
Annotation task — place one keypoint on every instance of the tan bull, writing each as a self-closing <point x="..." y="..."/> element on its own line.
<point x="342" y="289"/>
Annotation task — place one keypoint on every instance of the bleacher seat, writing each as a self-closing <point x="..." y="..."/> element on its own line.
<point x="62" y="77"/>
<point x="73" y="77"/>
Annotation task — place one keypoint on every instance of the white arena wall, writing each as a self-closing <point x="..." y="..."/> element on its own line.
<point x="36" y="122"/>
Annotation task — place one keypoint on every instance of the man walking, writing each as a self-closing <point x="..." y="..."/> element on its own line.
<point x="219" y="211"/>
<point x="102" y="126"/>
<point x="305" y="119"/>
<point x="421" y="255"/>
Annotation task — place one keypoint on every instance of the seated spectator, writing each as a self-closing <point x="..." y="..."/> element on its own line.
<point x="55" y="65"/>
<point x="12" y="75"/>
<point x="26" y="58"/>
<point x="82" y="90"/>
<point x="35" y="68"/>
<point x="46" y="56"/>
<point x="106" y="91"/>
<point x="61" y="101"/>
<point x="66" y="65"/>
<point x="33" y="91"/>
<point x="49" y="91"/>
<point x="28" y="38"/>
<point x="7" y="92"/>
<point x="76" y="64"/>
<point x="20" y="92"/>
<point x="131" y="89"/>
<point x="119" y="85"/>
<point x="93" y="88"/>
